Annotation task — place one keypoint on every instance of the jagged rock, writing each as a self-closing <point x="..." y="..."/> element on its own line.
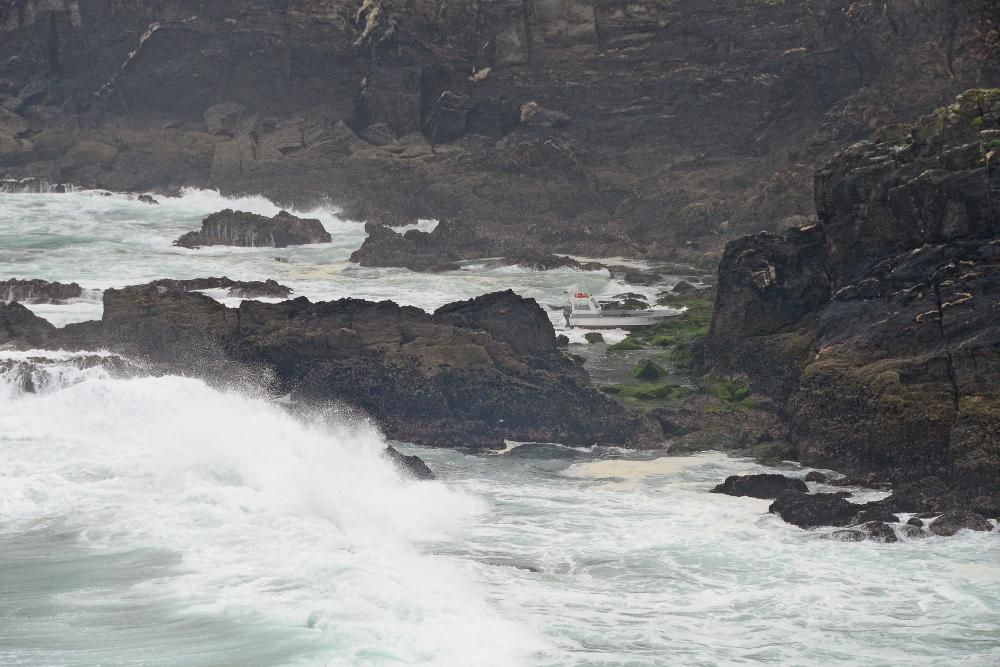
<point x="470" y="375"/>
<point x="875" y="513"/>
<point x="810" y="510"/>
<point x="147" y="199"/>
<point x="412" y="465"/>
<point x="759" y="486"/>
<point x="38" y="291"/>
<point x="951" y="522"/>
<point x="437" y="250"/>
<point x="238" y="228"/>
<point x="915" y="521"/>
<point x="877" y="327"/>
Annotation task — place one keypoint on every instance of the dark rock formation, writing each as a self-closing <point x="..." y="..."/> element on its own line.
<point x="38" y="291"/>
<point x="807" y="510"/>
<point x="147" y="199"/>
<point x="22" y="328"/>
<point x="238" y="228"/>
<point x="760" y="486"/>
<point x="879" y="328"/>
<point x="573" y="126"/>
<point x="876" y="531"/>
<point x="815" y="476"/>
<point x="951" y="522"/>
<point x="471" y="375"/>
<point x="243" y="289"/>
<point x="412" y="466"/>
<point x="437" y="250"/>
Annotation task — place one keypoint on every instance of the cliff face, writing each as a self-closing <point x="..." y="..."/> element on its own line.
<point x="600" y="126"/>
<point x="879" y="328"/>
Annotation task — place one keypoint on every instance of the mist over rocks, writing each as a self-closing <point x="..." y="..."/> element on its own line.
<point x="471" y="375"/>
<point x="239" y="228"/>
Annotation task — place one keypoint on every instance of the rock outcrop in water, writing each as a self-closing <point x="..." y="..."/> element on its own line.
<point x="238" y="228"/>
<point x="472" y="374"/>
<point x="38" y="291"/>
<point x="241" y="289"/>
<point x="879" y="328"/>
<point x="591" y="128"/>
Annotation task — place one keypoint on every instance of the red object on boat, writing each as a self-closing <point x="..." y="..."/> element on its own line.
<point x="581" y="295"/>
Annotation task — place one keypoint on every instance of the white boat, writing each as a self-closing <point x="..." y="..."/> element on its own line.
<point x="586" y="312"/>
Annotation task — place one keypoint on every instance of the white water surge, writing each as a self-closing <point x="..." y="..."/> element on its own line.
<point x="159" y="521"/>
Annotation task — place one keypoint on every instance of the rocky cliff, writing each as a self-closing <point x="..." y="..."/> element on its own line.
<point x="878" y="329"/>
<point x="646" y="126"/>
<point x="471" y="375"/>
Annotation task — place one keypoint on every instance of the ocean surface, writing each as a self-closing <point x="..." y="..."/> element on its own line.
<point x="160" y="521"/>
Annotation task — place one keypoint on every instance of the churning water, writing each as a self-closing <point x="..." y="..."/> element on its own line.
<point x="160" y="521"/>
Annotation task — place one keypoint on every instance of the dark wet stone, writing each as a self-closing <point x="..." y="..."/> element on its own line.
<point x="759" y="486"/>
<point x="412" y="465"/>
<point x="951" y="522"/>
<point x="816" y="476"/>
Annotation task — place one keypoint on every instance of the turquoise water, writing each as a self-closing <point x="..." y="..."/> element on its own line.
<point x="159" y="521"/>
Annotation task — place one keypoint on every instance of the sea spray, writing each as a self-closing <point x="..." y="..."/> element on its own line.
<point x="301" y="522"/>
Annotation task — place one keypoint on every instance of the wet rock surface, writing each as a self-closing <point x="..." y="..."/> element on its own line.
<point x="877" y="329"/>
<point x="807" y="510"/>
<point x="238" y="228"/>
<point x="470" y="375"/>
<point x="760" y="486"/>
<point x="244" y="289"/>
<point x="38" y="291"/>
<point x="412" y="465"/>
<point x="953" y="521"/>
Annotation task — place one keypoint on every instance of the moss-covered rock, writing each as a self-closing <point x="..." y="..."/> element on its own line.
<point x="594" y="337"/>
<point x="647" y="371"/>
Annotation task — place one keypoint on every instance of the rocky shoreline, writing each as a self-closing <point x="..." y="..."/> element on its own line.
<point x="875" y="332"/>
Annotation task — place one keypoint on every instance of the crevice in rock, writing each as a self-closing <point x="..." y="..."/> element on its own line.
<point x="952" y="377"/>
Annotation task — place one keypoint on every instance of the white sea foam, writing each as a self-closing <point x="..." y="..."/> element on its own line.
<point x="302" y="523"/>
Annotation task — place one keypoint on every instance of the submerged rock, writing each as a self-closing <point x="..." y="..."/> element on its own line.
<point x="951" y="522"/>
<point x="760" y="486"/>
<point x="238" y="228"/>
<point x="876" y="531"/>
<point x="412" y="465"/>
<point x="244" y="289"/>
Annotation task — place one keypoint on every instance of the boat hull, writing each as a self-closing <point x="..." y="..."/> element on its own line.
<point x="615" y="321"/>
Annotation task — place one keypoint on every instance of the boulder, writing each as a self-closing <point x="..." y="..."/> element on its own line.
<point x="815" y="476"/>
<point x="760" y="486"/>
<point x="238" y="228"/>
<point x="811" y="510"/>
<point x="951" y="522"/>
